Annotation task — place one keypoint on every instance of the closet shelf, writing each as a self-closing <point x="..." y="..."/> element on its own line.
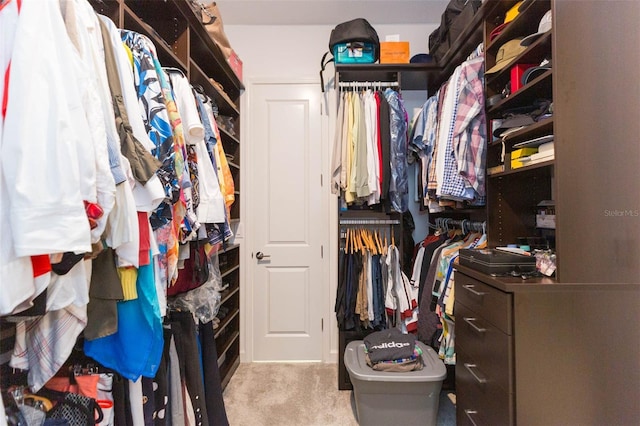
<point x="226" y="295"/>
<point x="429" y="76"/>
<point x="228" y="135"/>
<point x="165" y="51"/>
<point x="203" y="46"/>
<point x="230" y="270"/>
<point x="526" y="22"/>
<point x="231" y="246"/>
<point x="539" y="88"/>
<point x="228" y="368"/>
<point x="534" y="54"/>
<point x="466" y="42"/>
<point x="225" y="322"/>
<point x="225" y="105"/>
<point x="541" y="128"/>
<point x="227" y="345"/>
<point x="524" y="169"/>
<point x="408" y="76"/>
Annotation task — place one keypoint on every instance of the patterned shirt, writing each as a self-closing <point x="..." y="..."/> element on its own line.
<point x="469" y="131"/>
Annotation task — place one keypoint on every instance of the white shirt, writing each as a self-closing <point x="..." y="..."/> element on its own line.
<point x="82" y="27"/>
<point x="148" y="196"/>
<point x="40" y="152"/>
<point x="373" y="155"/>
<point x="13" y="269"/>
<point x="211" y="206"/>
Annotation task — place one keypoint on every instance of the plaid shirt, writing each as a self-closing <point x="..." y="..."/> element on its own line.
<point x="469" y="131"/>
<point x="450" y="184"/>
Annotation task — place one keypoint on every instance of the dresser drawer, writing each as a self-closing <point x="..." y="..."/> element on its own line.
<point x="487" y="302"/>
<point x="490" y="348"/>
<point x="479" y="404"/>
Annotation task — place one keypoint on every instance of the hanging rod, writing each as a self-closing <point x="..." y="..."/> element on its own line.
<point x="369" y="222"/>
<point x="464" y="224"/>
<point x="358" y="84"/>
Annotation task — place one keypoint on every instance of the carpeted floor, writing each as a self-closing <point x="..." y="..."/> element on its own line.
<point x="295" y="394"/>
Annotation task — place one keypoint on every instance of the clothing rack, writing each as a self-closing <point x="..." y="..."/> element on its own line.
<point x="464" y="224"/>
<point x="367" y="84"/>
<point x="369" y="222"/>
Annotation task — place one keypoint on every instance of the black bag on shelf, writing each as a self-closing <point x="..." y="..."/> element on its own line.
<point x="455" y="19"/>
<point x="356" y="30"/>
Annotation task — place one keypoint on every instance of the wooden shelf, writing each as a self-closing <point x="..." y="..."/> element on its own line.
<point x="409" y="76"/>
<point x="541" y="128"/>
<point x="466" y="42"/>
<point x="225" y="105"/>
<point x="226" y="345"/>
<point x="534" y="54"/>
<point x="207" y="52"/>
<point x="227" y="372"/>
<point x="228" y="135"/>
<point x="229" y="292"/>
<point x="524" y="169"/>
<point x="225" y="322"/>
<point x="165" y="51"/>
<point x="539" y="88"/>
<point x="228" y="271"/>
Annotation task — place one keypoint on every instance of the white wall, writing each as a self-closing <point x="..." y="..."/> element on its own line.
<point x="293" y="53"/>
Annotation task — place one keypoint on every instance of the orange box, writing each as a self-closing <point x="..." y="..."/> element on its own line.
<point x="394" y="52"/>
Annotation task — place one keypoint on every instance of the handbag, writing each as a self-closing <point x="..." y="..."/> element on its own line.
<point x="212" y="21"/>
<point x="76" y="409"/>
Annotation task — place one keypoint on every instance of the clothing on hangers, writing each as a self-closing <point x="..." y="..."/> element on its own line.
<point x="363" y="167"/>
<point x="436" y="301"/>
<point x="450" y="139"/>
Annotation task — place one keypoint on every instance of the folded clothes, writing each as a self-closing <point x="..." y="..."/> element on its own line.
<point x="389" y="345"/>
<point x="413" y="363"/>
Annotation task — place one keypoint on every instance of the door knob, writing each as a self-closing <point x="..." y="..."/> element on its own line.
<point x="260" y="255"/>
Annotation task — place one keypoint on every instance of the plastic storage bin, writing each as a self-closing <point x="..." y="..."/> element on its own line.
<point x="354" y="53"/>
<point x="388" y="398"/>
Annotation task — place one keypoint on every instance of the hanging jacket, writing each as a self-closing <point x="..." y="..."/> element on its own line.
<point x="143" y="164"/>
<point x="399" y="183"/>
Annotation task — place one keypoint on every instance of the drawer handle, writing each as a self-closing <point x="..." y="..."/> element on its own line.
<point x="470" y="368"/>
<point x="469" y="413"/>
<point x="470" y="288"/>
<point x="475" y="327"/>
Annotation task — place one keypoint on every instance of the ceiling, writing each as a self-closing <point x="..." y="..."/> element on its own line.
<point x="330" y="12"/>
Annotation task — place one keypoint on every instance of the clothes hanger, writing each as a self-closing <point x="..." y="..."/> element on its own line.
<point x="365" y="239"/>
<point x="174" y="69"/>
<point x="346" y="241"/>
<point x="372" y="244"/>
<point x="378" y="241"/>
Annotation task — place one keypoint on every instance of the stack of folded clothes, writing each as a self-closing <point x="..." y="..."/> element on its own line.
<point x="392" y="350"/>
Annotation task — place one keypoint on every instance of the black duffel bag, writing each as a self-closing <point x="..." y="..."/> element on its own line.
<point x="455" y="18"/>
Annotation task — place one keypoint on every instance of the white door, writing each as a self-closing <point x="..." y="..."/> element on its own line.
<point x="286" y="213"/>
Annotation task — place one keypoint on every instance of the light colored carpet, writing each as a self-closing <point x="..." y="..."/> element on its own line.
<point x="291" y="394"/>
<point x="296" y="394"/>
